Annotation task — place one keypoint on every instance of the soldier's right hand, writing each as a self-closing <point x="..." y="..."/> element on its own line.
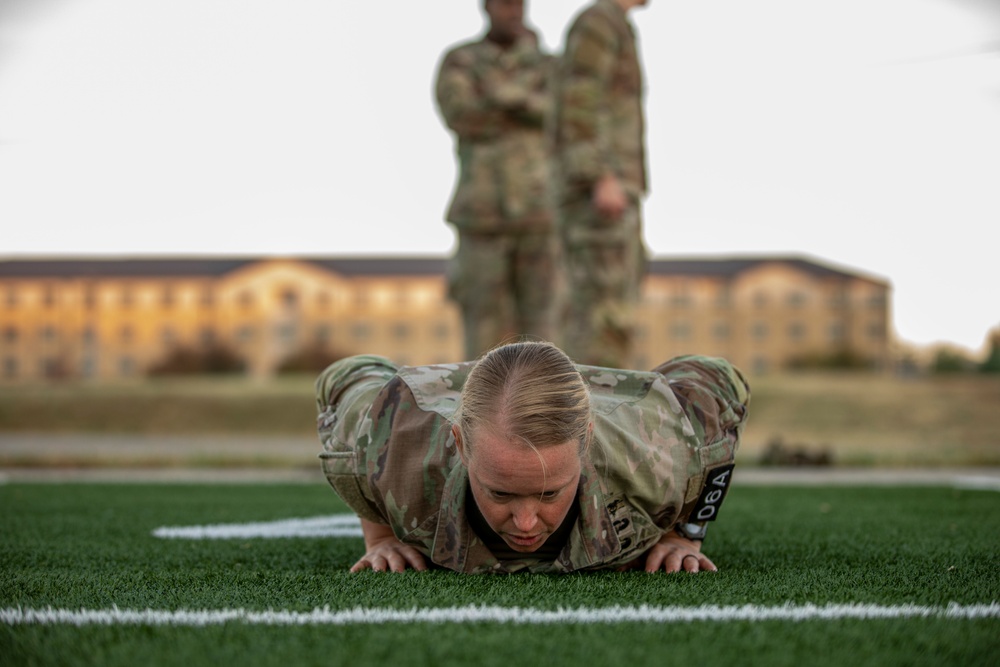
<point x="389" y="554"/>
<point x="609" y="197"/>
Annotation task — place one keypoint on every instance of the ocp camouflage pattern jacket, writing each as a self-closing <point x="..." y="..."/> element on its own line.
<point x="498" y="104"/>
<point x="599" y="123"/>
<point x="659" y="436"/>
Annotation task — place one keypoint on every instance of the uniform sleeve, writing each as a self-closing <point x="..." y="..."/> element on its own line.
<point x="714" y="396"/>
<point x="479" y="102"/>
<point x="529" y="88"/>
<point x="345" y="393"/>
<point x="584" y="132"/>
<point x="713" y="393"/>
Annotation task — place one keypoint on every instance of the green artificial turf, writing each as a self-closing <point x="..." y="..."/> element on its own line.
<point x="90" y="546"/>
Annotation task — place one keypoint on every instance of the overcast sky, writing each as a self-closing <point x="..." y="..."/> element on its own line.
<point x="862" y="133"/>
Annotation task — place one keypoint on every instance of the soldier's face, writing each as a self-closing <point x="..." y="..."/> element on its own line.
<point x="506" y="17"/>
<point x="524" y="495"/>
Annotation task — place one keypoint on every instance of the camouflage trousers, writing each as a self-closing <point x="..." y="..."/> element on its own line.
<point x="506" y="285"/>
<point x="605" y="263"/>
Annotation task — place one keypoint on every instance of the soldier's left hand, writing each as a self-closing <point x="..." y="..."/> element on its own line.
<point x="674" y="553"/>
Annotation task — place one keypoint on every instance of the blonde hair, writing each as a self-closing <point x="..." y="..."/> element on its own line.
<point x="529" y="391"/>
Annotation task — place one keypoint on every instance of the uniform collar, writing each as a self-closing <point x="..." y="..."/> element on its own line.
<point x="592" y="541"/>
<point x="456" y="546"/>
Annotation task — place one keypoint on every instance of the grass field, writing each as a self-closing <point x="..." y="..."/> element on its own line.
<point x="861" y="418"/>
<point x="883" y="555"/>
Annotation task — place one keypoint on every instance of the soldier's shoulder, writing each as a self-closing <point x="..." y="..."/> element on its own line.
<point x="436" y="388"/>
<point x="596" y="17"/>
<point x="463" y="53"/>
<point x="594" y="23"/>
<point x="611" y="387"/>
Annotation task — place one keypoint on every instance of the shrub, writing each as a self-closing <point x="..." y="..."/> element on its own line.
<point x="213" y="360"/>
<point x="950" y="361"/>
<point x="992" y="362"/>
<point x="312" y="359"/>
<point x="843" y="359"/>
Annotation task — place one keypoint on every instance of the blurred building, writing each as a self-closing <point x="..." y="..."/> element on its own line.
<point x="107" y="319"/>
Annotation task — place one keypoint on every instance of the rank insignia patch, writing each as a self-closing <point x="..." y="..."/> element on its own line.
<point x="716" y="484"/>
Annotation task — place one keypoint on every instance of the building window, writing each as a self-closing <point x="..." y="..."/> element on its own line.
<point x="53" y="368"/>
<point x="876" y="301"/>
<point x="876" y="331"/>
<point x="759" y="331"/>
<point x="838" y="298"/>
<point x="324" y="334"/>
<point x="796" y="331"/>
<point x="796" y="300"/>
<point x="681" y="300"/>
<point x="128" y="298"/>
<point x="89" y="298"/>
<point x="10" y="367"/>
<point x="761" y="365"/>
<point x="126" y="366"/>
<point x="724" y="297"/>
<point x="835" y="332"/>
<point x="127" y="334"/>
<point x="400" y="330"/>
<point x="323" y="300"/>
<point x="245" y="334"/>
<point x="441" y="331"/>
<point x="49" y="296"/>
<point x="759" y="300"/>
<point x="286" y="333"/>
<point x="361" y="331"/>
<point x="48" y="333"/>
<point x="207" y="336"/>
<point x="167" y="335"/>
<point x="10" y="335"/>
<point x="167" y="298"/>
<point x="207" y="298"/>
<point x="680" y="331"/>
<point x="11" y="298"/>
<point x="88" y="336"/>
<point x="288" y="298"/>
<point x="720" y="331"/>
<point x="246" y="300"/>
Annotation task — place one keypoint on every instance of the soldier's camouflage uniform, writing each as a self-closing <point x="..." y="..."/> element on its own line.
<point x="660" y="437"/>
<point x="504" y="274"/>
<point x="599" y="129"/>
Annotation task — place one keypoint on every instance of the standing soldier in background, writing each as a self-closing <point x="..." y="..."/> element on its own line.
<point x="601" y="157"/>
<point x="494" y="95"/>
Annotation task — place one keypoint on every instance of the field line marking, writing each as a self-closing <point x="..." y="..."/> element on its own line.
<point x="489" y="614"/>
<point x="337" y="525"/>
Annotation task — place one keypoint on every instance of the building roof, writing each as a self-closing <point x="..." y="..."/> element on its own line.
<point x="165" y="267"/>
<point x="729" y="267"/>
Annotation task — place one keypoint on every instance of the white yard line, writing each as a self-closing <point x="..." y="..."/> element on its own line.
<point x="336" y="525"/>
<point x="485" y="614"/>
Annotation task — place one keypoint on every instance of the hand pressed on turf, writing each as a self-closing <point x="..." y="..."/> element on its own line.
<point x="674" y="553"/>
<point x="383" y="552"/>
